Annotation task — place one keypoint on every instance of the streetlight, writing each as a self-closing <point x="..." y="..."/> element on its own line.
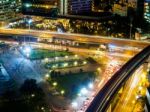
<point x="62" y="92"/>
<point x="55" y="84"/>
<point x="74" y="104"/>
<point x="84" y="91"/>
<point x="131" y="25"/>
<point x="90" y="85"/>
<point x="27" y="50"/>
<point x="29" y="23"/>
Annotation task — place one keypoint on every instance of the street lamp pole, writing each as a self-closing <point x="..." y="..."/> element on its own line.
<point x="131" y="19"/>
<point x="29" y="23"/>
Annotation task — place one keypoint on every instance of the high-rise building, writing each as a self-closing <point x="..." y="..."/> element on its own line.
<point x="79" y="6"/>
<point x="147" y="11"/>
<point x="8" y="10"/>
<point x="63" y="7"/>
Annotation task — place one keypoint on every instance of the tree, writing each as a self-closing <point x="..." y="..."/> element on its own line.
<point x="30" y="98"/>
<point x="34" y="94"/>
<point x="11" y="102"/>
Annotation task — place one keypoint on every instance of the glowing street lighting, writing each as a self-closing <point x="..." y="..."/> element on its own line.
<point x="28" y="54"/>
<point x="84" y="91"/>
<point x="76" y="56"/>
<point x="90" y="85"/>
<point x="53" y="66"/>
<point x="85" y="62"/>
<point x="54" y="83"/>
<point x="30" y="21"/>
<point x="133" y="102"/>
<point x="47" y="76"/>
<point x="138" y="96"/>
<point x="75" y="63"/>
<point x="140" y="88"/>
<point x="74" y="104"/>
<point x="143" y="75"/>
<point x="42" y="108"/>
<point x="65" y="64"/>
<point x="32" y="95"/>
<point x="62" y="92"/>
<point x="27" y="50"/>
<point x="56" y="58"/>
<point x="99" y="69"/>
<point x="79" y="94"/>
<point x="66" y="57"/>
<point x="46" y="59"/>
<point x="28" y="5"/>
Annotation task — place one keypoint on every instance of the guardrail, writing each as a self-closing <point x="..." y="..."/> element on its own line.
<point x="103" y="99"/>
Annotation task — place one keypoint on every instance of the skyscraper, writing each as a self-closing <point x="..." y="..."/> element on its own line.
<point x="8" y="11"/>
<point x="79" y="6"/>
<point x="63" y="7"/>
<point x="147" y="10"/>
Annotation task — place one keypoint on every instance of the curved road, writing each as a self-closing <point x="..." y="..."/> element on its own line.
<point x="104" y="97"/>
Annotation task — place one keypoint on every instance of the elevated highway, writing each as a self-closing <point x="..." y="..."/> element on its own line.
<point x="76" y="37"/>
<point x="103" y="99"/>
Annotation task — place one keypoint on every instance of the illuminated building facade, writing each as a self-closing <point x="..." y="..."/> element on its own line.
<point x="40" y="7"/>
<point x="79" y="6"/>
<point x="8" y="10"/>
<point x="101" y="5"/>
<point x="147" y="11"/>
<point x="63" y="7"/>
